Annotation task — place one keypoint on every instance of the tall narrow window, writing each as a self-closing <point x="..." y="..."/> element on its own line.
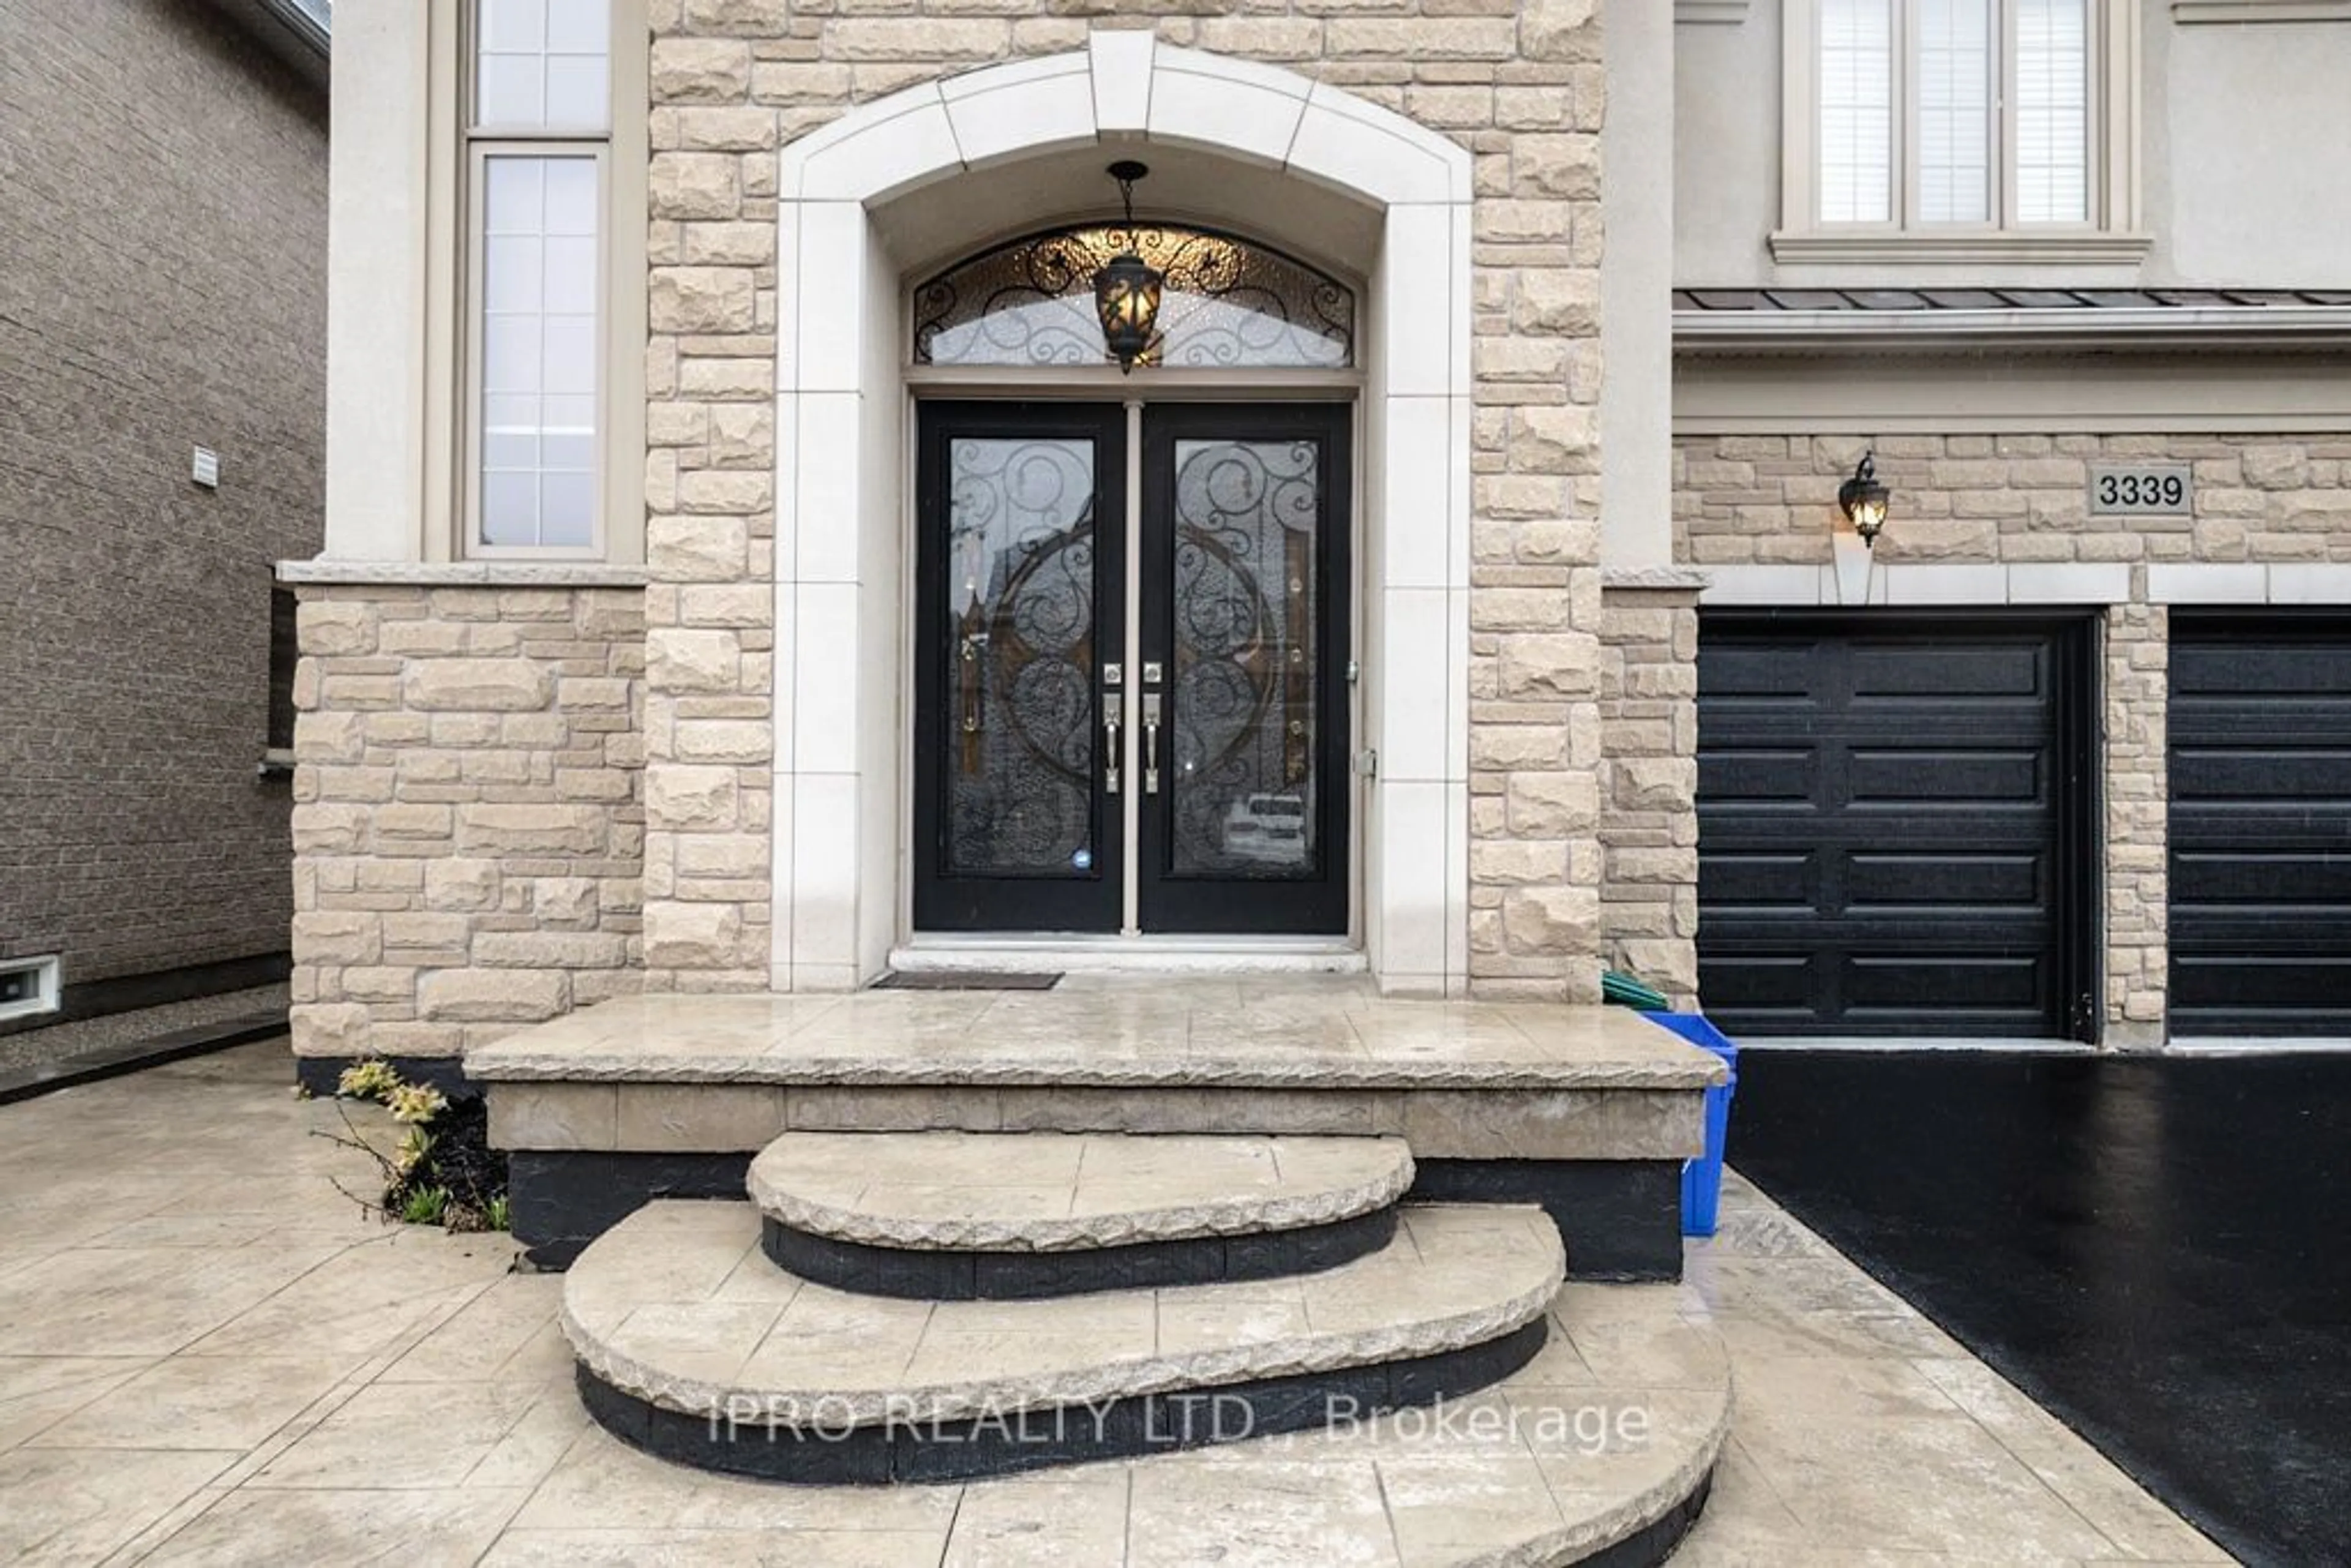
<point x="1955" y="104"/>
<point x="1856" y="88"/>
<point x="539" y="146"/>
<point x="2052" y="111"/>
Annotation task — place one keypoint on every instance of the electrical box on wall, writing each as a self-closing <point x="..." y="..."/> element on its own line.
<point x="205" y="470"/>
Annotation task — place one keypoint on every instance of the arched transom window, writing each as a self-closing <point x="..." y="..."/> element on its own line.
<point x="1227" y="304"/>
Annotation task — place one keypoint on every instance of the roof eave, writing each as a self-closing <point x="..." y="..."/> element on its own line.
<point x="2256" y="330"/>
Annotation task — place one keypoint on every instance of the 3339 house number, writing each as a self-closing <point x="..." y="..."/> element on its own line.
<point x="2140" y="489"/>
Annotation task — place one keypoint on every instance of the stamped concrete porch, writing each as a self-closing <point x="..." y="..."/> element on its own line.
<point x="1588" y="1111"/>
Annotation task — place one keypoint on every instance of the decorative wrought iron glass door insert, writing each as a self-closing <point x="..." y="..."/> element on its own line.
<point x="1020" y="594"/>
<point x="1243" y="659"/>
<point x="1212" y="736"/>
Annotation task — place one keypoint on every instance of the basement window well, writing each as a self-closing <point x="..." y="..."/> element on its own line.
<point x="28" y="987"/>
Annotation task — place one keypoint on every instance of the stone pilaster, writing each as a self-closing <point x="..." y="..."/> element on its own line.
<point x="2137" y="795"/>
<point x="1648" y="803"/>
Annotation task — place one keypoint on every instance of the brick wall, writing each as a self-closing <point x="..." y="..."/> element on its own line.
<point x="163" y="284"/>
<point x="470" y="818"/>
<point x="1519" y="82"/>
<point x="1743" y="500"/>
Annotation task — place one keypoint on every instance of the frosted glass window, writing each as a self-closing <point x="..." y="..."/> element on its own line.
<point x="2052" y="111"/>
<point x="544" y="65"/>
<point x="1857" y="128"/>
<point x="1955" y="97"/>
<point x="539" y="333"/>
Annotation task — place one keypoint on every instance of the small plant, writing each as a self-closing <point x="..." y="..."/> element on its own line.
<point x="442" y="1171"/>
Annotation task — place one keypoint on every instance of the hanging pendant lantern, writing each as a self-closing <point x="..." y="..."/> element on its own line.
<point x="1127" y="287"/>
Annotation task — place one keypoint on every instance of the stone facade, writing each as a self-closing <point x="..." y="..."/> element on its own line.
<point x="1746" y="500"/>
<point x="162" y="286"/>
<point x="1518" y="84"/>
<point x="469" y="826"/>
<point x="1648" y="802"/>
<point x="2137" y="800"/>
<point x="1754" y="499"/>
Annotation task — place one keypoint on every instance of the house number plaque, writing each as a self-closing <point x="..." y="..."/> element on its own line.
<point x="2140" y="489"/>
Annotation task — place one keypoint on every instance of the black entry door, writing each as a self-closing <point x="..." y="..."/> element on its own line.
<point x="1020" y="598"/>
<point x="1243" y="654"/>
<point x="2259" y="732"/>
<point x="1891" y="826"/>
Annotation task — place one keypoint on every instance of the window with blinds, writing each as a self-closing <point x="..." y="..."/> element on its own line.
<point x="1953" y="113"/>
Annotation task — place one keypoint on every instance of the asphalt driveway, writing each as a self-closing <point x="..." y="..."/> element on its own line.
<point x="2151" y="1247"/>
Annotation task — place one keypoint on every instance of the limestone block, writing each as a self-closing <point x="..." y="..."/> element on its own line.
<point x="550" y="950"/>
<point x="1551" y="666"/>
<point x="531" y="829"/>
<point x="1552" y="920"/>
<point x="695" y="185"/>
<point x="684" y="796"/>
<point x="700" y="70"/>
<point x="460" y="883"/>
<point x="681" y="660"/>
<point x="691" y="935"/>
<point x="702" y="299"/>
<point x="1553" y="805"/>
<point x="1557" y="300"/>
<point x="329" y="628"/>
<point x="330" y="1029"/>
<point x="477" y="686"/>
<point x="482" y="996"/>
<point x="338" y="937"/>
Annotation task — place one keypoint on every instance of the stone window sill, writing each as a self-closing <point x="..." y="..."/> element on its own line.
<point x="1885" y="248"/>
<point x="465" y="573"/>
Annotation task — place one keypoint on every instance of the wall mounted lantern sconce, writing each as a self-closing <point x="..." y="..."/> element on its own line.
<point x="1863" y="499"/>
<point x="1126" y="290"/>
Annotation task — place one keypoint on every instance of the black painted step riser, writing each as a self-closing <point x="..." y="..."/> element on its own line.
<point x="945" y="1276"/>
<point x="1126" y="1428"/>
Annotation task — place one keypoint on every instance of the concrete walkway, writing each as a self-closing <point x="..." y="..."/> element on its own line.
<point x="207" y="1356"/>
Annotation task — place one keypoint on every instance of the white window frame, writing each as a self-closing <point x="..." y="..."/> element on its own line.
<point x="621" y="155"/>
<point x="48" y="973"/>
<point x="2110" y="236"/>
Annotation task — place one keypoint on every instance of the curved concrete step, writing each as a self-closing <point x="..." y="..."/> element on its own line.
<point x="692" y="1343"/>
<point x="1599" y="1449"/>
<point x="1005" y="1216"/>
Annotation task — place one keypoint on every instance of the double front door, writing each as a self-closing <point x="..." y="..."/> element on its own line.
<point x="1132" y="688"/>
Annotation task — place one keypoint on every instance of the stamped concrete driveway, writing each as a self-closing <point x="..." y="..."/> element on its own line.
<point x="207" y="1356"/>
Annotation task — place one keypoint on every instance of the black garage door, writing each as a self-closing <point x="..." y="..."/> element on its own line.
<point x="1891" y="826"/>
<point x="2260" y="826"/>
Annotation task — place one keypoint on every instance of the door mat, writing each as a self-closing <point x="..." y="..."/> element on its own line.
<point x="965" y="980"/>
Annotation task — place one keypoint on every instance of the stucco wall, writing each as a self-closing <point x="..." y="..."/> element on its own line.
<point x="162" y="286"/>
<point x="2232" y="119"/>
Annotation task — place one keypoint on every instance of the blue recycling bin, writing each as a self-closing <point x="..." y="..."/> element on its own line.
<point x="1702" y="1177"/>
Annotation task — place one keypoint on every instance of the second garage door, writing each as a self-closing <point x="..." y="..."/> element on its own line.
<point x="2260" y="825"/>
<point x="1892" y="826"/>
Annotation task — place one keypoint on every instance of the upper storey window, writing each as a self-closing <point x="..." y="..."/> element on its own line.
<point x="1227" y="304"/>
<point x="1959" y="130"/>
<point x="538" y="155"/>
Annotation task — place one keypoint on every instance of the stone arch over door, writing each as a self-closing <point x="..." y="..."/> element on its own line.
<point x="840" y="620"/>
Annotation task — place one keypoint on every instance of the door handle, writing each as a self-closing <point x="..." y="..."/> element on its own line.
<point x="1151" y="743"/>
<point x="972" y="682"/>
<point x="1110" y="743"/>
